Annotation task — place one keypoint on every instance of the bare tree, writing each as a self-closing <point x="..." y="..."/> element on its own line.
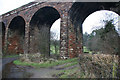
<point x="39" y="40"/>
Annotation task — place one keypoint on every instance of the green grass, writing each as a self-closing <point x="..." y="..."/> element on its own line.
<point x="86" y="50"/>
<point x="10" y="56"/>
<point x="71" y="64"/>
<point x="45" y="64"/>
<point x="114" y="71"/>
<point x="70" y="73"/>
<point x="52" y="48"/>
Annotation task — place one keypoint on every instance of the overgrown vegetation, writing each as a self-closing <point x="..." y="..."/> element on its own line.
<point x="98" y="65"/>
<point x="92" y="66"/>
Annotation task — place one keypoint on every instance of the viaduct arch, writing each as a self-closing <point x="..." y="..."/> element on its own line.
<point x="72" y="15"/>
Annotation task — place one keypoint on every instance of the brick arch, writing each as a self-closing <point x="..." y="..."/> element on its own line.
<point x="34" y="10"/>
<point x="13" y="17"/>
<point x="56" y="14"/>
<point x="70" y="18"/>
<point x="3" y="28"/>
<point x="40" y="25"/>
<point x="27" y="11"/>
<point x="77" y="14"/>
<point x="16" y="35"/>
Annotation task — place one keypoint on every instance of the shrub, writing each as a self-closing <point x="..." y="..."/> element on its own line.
<point x="32" y="58"/>
<point x="98" y="65"/>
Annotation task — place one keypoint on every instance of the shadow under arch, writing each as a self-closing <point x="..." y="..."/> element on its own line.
<point x="40" y="25"/>
<point x="16" y="35"/>
<point x="2" y="38"/>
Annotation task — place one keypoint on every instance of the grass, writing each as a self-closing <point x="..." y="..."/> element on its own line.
<point x="86" y="50"/>
<point x="91" y="66"/>
<point x="45" y="64"/>
<point x="10" y="56"/>
<point x="114" y="71"/>
<point x="71" y="64"/>
<point x="52" y="48"/>
<point x="70" y="73"/>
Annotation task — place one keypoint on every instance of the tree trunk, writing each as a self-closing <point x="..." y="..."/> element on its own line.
<point x="55" y="48"/>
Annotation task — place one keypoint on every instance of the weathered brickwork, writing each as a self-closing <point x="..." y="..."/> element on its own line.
<point x="72" y="16"/>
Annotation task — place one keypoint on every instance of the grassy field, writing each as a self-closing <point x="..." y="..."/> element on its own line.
<point x="47" y="63"/>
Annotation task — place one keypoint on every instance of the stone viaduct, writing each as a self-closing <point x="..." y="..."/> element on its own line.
<point x="27" y="28"/>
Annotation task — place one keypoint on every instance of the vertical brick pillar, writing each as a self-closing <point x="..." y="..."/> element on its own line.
<point x="72" y="40"/>
<point x="79" y="42"/>
<point x="26" y="43"/>
<point x="75" y="39"/>
<point x="64" y="35"/>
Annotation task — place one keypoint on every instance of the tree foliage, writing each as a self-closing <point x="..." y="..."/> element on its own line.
<point x="105" y="40"/>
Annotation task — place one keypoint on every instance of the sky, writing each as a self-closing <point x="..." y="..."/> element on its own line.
<point x="8" y="5"/>
<point x="95" y="20"/>
<point x="92" y="22"/>
<point x="56" y="28"/>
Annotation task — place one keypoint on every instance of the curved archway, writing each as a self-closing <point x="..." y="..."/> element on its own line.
<point x="16" y="34"/>
<point x="40" y="25"/>
<point x="77" y="14"/>
<point x="55" y="38"/>
<point x="104" y="15"/>
<point x="96" y="26"/>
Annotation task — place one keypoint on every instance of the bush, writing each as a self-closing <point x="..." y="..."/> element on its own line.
<point x="98" y="65"/>
<point x="38" y="58"/>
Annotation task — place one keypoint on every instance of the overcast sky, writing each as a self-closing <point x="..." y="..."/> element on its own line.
<point x="91" y="22"/>
<point x="95" y="20"/>
<point x="8" y="5"/>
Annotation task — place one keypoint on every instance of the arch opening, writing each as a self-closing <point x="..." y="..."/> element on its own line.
<point x="16" y="35"/>
<point x="101" y="34"/>
<point x="40" y="26"/>
<point x="55" y="38"/>
<point x="77" y="14"/>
